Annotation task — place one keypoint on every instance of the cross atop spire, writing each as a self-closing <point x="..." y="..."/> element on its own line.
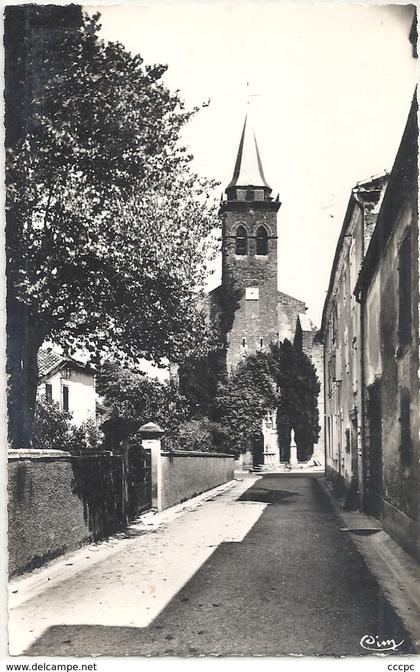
<point x="248" y="170"/>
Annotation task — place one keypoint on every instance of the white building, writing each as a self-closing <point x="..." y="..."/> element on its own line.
<point x="68" y="383"/>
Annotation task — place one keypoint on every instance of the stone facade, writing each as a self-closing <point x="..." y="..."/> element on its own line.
<point x="342" y="342"/>
<point x="288" y="310"/>
<point x="252" y="277"/>
<point x="388" y="290"/>
<point x="370" y="330"/>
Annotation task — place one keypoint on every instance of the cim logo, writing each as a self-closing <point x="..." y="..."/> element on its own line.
<point x="373" y="643"/>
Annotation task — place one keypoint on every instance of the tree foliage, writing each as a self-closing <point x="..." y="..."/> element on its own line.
<point x="284" y="380"/>
<point x="203" y="435"/>
<point x="131" y="399"/>
<point x="243" y="399"/>
<point x="106" y="222"/>
<point x="295" y="377"/>
<point x="198" y="381"/>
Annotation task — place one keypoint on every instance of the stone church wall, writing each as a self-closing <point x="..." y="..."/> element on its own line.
<point x="287" y="313"/>
<point x="253" y="319"/>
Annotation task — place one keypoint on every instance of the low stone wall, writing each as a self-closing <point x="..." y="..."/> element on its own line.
<point x="57" y="502"/>
<point x="186" y="474"/>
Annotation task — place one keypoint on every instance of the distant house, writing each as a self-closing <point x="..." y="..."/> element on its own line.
<point x="68" y="383"/>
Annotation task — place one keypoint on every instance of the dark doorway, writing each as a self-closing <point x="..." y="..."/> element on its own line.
<point x="353" y="495"/>
<point x="139" y="480"/>
<point x="257" y="449"/>
<point x="284" y="442"/>
<point x="374" y="436"/>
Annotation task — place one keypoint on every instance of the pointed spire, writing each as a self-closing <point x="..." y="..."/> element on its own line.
<point x="248" y="170"/>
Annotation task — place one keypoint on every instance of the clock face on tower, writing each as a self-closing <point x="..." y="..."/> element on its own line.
<point x="252" y="293"/>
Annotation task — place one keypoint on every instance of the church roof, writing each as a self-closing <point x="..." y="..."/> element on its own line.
<point x="287" y="298"/>
<point x="248" y="170"/>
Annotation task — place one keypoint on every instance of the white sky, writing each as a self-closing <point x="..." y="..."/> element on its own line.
<point x="334" y="85"/>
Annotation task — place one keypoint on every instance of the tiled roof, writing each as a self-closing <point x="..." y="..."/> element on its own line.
<point x="48" y="360"/>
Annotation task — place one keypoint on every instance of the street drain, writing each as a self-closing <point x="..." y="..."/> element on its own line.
<point x="361" y="531"/>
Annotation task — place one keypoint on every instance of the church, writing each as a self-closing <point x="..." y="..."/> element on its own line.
<point x="248" y="307"/>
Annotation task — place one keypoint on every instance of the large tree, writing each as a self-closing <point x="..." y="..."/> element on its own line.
<point x="106" y="222"/>
<point x="199" y="378"/>
<point x="298" y="385"/>
<point x="243" y="399"/>
<point x="282" y="379"/>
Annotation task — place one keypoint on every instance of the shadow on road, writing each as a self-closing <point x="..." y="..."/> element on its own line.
<point x="294" y="585"/>
<point x="268" y="496"/>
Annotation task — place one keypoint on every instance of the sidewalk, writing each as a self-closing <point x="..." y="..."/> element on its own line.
<point x="27" y="586"/>
<point x="396" y="571"/>
<point x="61" y="592"/>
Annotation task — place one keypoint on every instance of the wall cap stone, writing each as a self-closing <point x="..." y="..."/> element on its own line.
<point x="194" y="453"/>
<point x="49" y="454"/>
<point x="150" y="431"/>
<point x="30" y="454"/>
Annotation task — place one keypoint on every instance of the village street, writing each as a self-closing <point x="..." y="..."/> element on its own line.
<point x="262" y="568"/>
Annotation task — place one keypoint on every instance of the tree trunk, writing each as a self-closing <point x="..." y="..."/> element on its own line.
<point x="22" y="368"/>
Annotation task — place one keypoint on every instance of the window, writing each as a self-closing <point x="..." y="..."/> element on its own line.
<point x="48" y="393"/>
<point x="333" y="361"/>
<point x="241" y="247"/>
<point x="374" y="437"/>
<point x="405" y="422"/>
<point x="65" y="398"/>
<point x="353" y="273"/>
<point x="347" y="443"/>
<point x="405" y="291"/>
<point x="329" y="436"/>
<point x="262" y="241"/>
<point x="333" y="325"/>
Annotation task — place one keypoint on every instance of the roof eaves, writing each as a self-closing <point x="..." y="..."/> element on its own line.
<point x="390" y="200"/>
<point x="347" y="218"/>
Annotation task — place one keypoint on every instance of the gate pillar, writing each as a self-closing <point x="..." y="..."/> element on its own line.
<point x="151" y="435"/>
<point x="293" y="450"/>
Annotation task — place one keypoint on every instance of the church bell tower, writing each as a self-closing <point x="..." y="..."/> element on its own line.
<point x="249" y="255"/>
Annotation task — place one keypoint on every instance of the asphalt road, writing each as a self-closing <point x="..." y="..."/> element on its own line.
<point x="294" y="584"/>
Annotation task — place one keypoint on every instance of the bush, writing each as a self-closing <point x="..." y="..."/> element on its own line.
<point x="53" y="430"/>
<point x="131" y="398"/>
<point x="199" y="434"/>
